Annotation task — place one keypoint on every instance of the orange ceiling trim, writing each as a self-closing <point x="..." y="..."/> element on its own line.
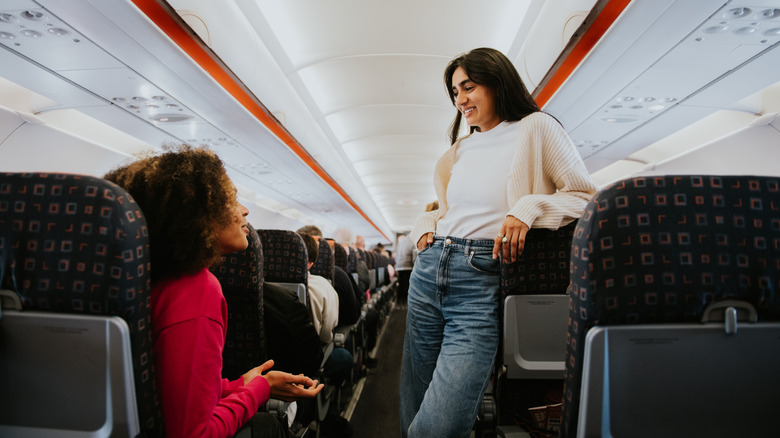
<point x="601" y="24"/>
<point x="162" y="18"/>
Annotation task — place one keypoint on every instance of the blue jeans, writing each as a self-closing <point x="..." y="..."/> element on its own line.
<point x="451" y="337"/>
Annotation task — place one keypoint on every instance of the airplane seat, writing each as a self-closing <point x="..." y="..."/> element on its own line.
<point x="352" y="263"/>
<point x="340" y="257"/>
<point x="651" y="258"/>
<point x="75" y="336"/>
<point x="532" y="348"/>
<point x="286" y="264"/>
<point x="285" y="261"/>
<point x="241" y="276"/>
<point x="368" y="257"/>
<point x="325" y="263"/>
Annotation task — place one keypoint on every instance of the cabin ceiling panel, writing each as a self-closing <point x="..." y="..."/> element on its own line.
<point x="386" y="119"/>
<point x="387" y="146"/>
<point x="312" y="31"/>
<point x="370" y="80"/>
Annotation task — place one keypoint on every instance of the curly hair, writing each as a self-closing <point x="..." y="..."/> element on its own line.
<point x="186" y="197"/>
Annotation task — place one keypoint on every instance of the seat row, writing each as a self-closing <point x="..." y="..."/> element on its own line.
<point x="656" y="314"/>
<point x="75" y="338"/>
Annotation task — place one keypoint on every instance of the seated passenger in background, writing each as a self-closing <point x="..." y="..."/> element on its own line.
<point x="193" y="217"/>
<point x="325" y="314"/>
<point x="349" y="309"/>
<point x="345" y="238"/>
<point x="324" y="308"/>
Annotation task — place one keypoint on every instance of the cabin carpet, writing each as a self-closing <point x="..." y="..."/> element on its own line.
<point x="376" y="413"/>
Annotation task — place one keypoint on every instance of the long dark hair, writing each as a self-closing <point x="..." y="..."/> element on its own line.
<point x="491" y="68"/>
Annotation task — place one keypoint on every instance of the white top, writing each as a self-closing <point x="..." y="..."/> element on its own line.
<point x="547" y="187"/>
<point x="324" y="302"/>
<point x="476" y="193"/>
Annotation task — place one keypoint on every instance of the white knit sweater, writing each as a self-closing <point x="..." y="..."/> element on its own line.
<point x="548" y="185"/>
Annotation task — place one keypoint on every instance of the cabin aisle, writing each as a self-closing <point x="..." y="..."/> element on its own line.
<point x="376" y="413"/>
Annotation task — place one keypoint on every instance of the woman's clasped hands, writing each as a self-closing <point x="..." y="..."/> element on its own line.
<point x="284" y="386"/>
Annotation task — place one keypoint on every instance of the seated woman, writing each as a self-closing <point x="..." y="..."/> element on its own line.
<point x="193" y="217"/>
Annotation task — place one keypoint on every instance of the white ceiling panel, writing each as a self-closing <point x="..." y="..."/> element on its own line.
<point x="350" y="82"/>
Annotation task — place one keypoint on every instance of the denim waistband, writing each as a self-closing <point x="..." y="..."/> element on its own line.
<point x="466" y="244"/>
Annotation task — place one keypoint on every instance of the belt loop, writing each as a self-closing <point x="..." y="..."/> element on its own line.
<point x="466" y="247"/>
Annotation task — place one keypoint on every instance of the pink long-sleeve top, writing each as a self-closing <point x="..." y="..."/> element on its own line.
<point x="189" y="324"/>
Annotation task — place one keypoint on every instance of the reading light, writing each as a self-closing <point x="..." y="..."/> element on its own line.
<point x="31" y="33"/>
<point x="8" y="18"/>
<point x="57" y="31"/>
<point x="34" y="16"/>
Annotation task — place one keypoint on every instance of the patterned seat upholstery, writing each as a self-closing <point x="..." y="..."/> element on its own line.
<point x="284" y="256"/>
<point x="352" y="261"/>
<point x="543" y="268"/>
<point x="660" y="249"/>
<point x="74" y="244"/>
<point x="241" y="277"/>
<point x="533" y="319"/>
<point x="340" y="257"/>
<point x="324" y="265"/>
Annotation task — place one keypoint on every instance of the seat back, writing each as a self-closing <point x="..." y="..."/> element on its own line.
<point x="543" y="268"/>
<point x="536" y="305"/>
<point x="325" y="263"/>
<point x="285" y="261"/>
<point x="340" y="257"/>
<point x="77" y="360"/>
<point x="656" y="252"/>
<point x="368" y="257"/>
<point x="241" y="277"/>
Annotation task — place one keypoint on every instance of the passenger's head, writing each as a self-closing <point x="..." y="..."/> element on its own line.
<point x="343" y="236"/>
<point x="360" y="242"/>
<point x="190" y="206"/>
<point x="312" y="247"/>
<point x="492" y="70"/>
<point x="311" y="229"/>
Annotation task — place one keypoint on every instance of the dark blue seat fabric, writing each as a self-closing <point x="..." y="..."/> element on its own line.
<point x="241" y="277"/>
<point x="284" y="255"/>
<point x="660" y="249"/>
<point x="543" y="268"/>
<point x="352" y="260"/>
<point x="340" y="257"/>
<point x="325" y="262"/>
<point x="78" y="244"/>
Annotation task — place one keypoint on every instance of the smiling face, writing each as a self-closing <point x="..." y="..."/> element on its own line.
<point x="233" y="237"/>
<point x="476" y="102"/>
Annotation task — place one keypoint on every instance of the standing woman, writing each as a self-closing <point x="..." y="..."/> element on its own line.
<point x="193" y="218"/>
<point x="515" y="170"/>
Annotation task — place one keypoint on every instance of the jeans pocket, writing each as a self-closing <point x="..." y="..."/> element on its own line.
<point x="420" y="252"/>
<point x="483" y="262"/>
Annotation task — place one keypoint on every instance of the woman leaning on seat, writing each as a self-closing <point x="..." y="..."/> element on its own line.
<point x="194" y="217"/>
<point x="516" y="169"/>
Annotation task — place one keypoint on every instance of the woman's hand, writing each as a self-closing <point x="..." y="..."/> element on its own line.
<point x="284" y="386"/>
<point x="511" y="238"/>
<point x="424" y="241"/>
